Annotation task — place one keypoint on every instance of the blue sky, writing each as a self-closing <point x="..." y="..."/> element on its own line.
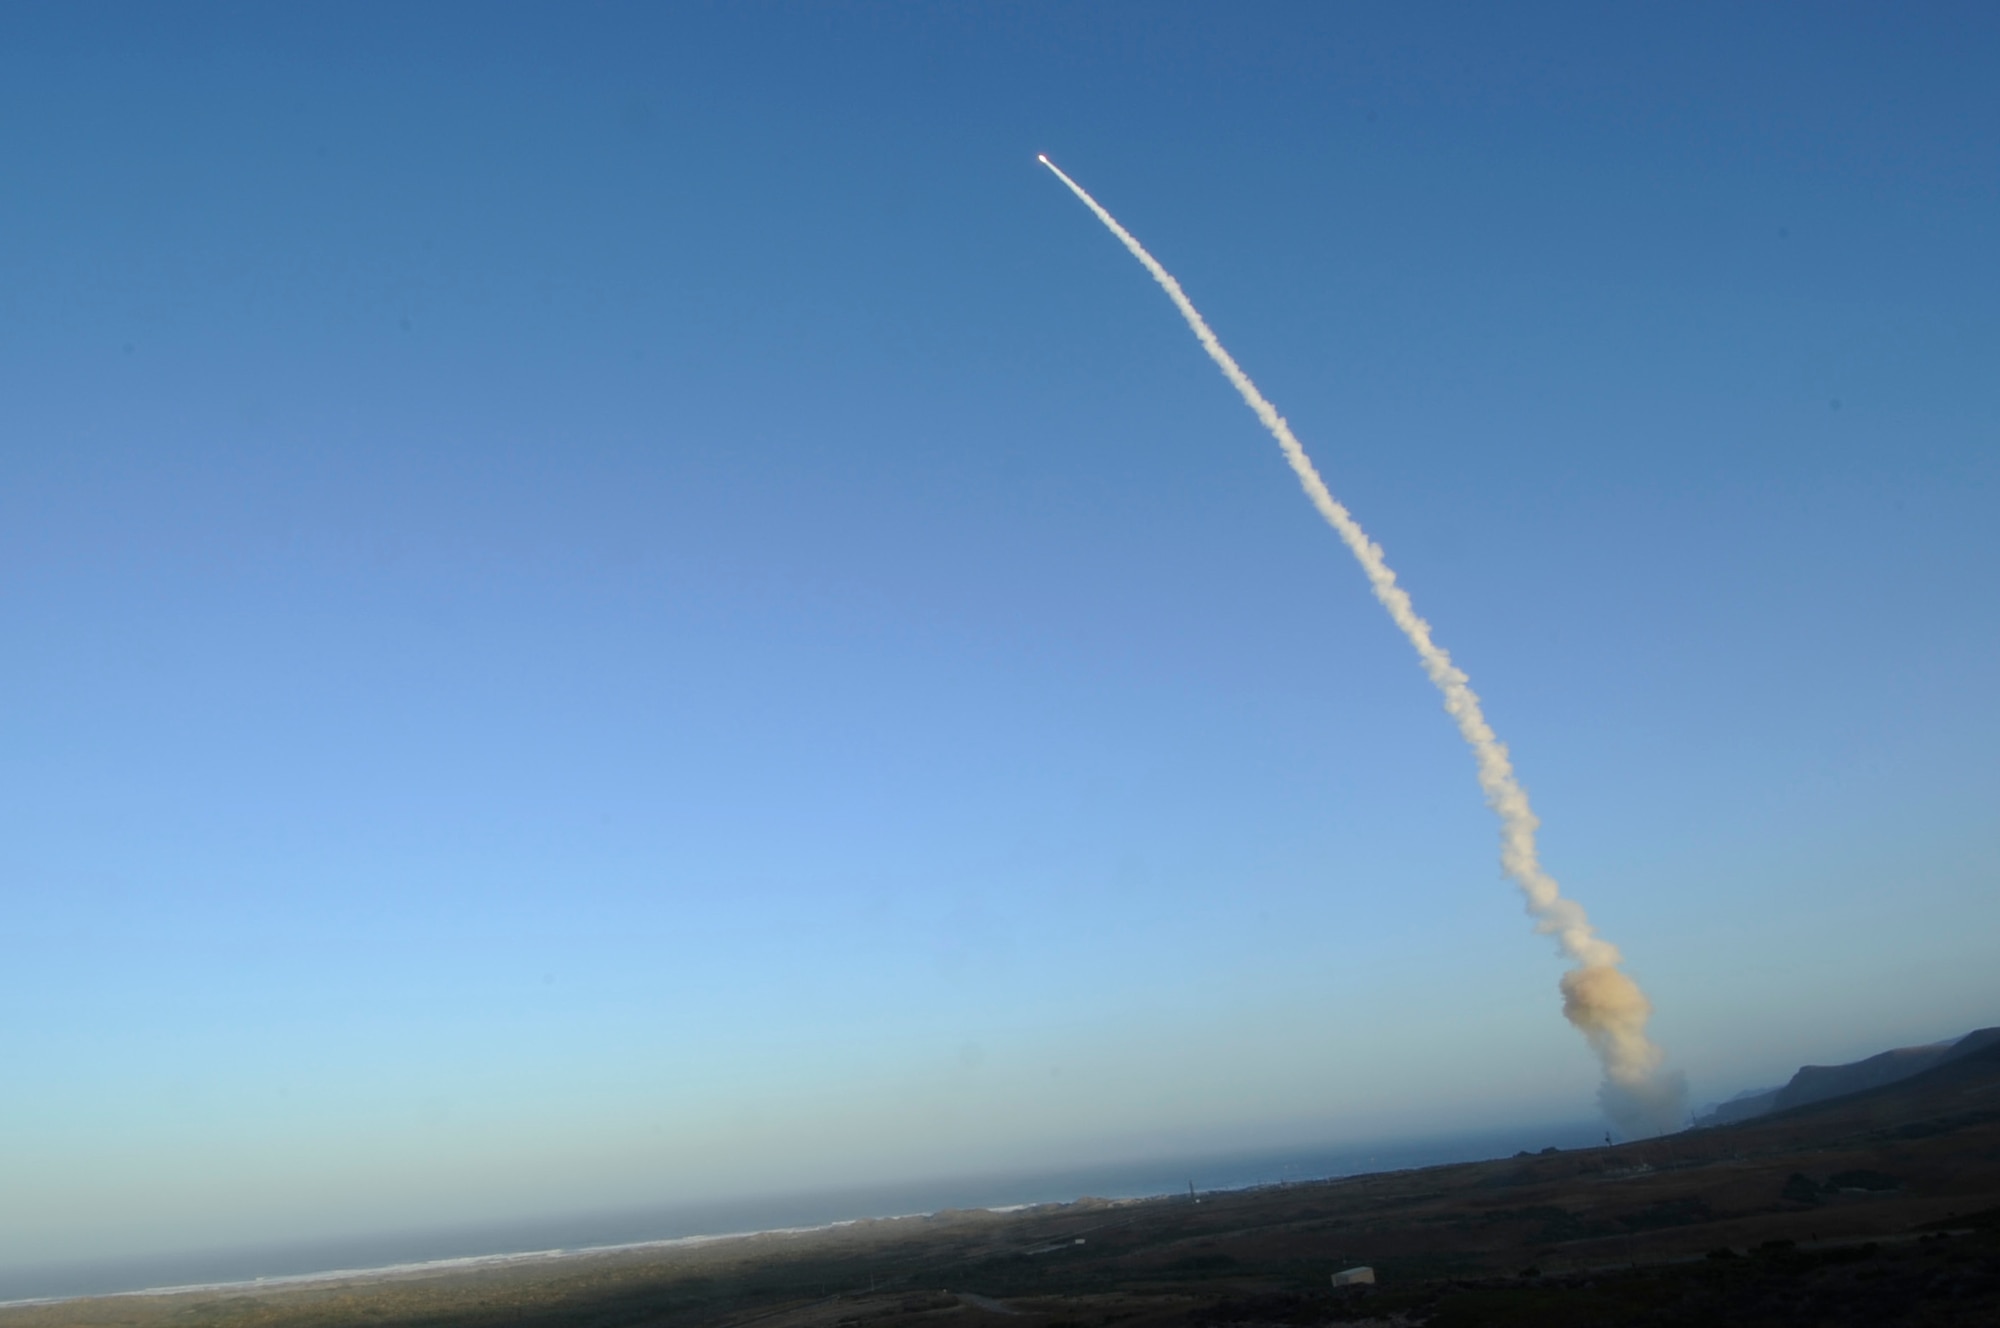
<point x="618" y="604"/>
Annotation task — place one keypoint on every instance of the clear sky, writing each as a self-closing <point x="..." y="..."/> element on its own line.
<point x="612" y="604"/>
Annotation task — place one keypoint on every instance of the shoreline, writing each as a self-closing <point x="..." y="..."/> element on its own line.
<point x="1229" y="1175"/>
<point x="455" y="1264"/>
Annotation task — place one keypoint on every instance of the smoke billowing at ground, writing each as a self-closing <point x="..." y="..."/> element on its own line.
<point x="1598" y="997"/>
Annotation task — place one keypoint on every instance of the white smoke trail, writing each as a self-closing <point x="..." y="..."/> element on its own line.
<point x="1603" y="1003"/>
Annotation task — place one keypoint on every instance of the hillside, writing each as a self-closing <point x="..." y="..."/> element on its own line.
<point x="1818" y="1083"/>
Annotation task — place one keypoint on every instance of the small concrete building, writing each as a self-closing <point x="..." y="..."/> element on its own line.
<point x="1354" y="1277"/>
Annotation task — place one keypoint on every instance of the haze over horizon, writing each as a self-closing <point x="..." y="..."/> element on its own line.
<point x="616" y="606"/>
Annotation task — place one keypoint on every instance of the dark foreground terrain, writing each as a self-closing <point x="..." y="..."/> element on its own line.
<point x="1878" y="1208"/>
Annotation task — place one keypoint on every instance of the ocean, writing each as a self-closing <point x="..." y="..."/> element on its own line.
<point x="576" y="1234"/>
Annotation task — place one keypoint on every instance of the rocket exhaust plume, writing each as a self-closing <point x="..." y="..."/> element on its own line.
<point x="1604" y="1004"/>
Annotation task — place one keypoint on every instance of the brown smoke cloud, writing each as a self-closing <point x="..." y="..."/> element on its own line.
<point x="1610" y="1011"/>
<point x="1605" y="1004"/>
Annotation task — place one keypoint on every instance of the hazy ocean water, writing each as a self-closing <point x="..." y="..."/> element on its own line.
<point x="575" y="1234"/>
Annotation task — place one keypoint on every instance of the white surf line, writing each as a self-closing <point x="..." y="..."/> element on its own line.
<point x="461" y="1263"/>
